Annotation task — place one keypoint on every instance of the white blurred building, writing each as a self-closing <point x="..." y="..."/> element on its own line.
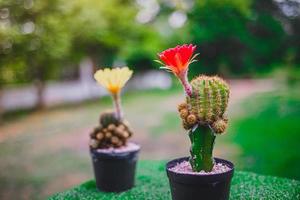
<point x="84" y="88"/>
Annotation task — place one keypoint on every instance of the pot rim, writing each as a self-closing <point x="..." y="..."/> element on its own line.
<point x="114" y="155"/>
<point x="198" y="178"/>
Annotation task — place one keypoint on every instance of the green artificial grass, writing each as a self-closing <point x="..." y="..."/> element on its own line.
<point x="269" y="134"/>
<point x="152" y="184"/>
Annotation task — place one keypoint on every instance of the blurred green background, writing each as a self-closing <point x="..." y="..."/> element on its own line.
<point x="49" y="102"/>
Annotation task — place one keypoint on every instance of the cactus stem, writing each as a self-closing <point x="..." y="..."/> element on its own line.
<point x="202" y="140"/>
<point x="186" y="85"/>
<point x="117" y="102"/>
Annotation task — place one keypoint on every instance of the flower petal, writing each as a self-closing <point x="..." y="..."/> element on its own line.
<point x="113" y="79"/>
<point x="177" y="59"/>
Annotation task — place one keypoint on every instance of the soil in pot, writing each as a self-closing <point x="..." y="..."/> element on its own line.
<point x="188" y="185"/>
<point x="114" y="168"/>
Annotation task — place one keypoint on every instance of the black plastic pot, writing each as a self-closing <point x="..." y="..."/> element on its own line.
<point x="196" y="186"/>
<point x="114" y="172"/>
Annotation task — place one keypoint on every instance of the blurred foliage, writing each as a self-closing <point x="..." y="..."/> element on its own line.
<point x="39" y="40"/>
<point x="293" y="77"/>
<point x="237" y="37"/>
<point x="42" y="36"/>
<point x="100" y="28"/>
<point x="274" y="121"/>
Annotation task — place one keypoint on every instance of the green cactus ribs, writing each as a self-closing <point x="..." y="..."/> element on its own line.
<point x="207" y="104"/>
<point x="111" y="132"/>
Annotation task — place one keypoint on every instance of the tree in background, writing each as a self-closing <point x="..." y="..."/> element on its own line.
<point x="40" y="43"/>
<point x="100" y="29"/>
<point x="236" y="37"/>
<point x="40" y="38"/>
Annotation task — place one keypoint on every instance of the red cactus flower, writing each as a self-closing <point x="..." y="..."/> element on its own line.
<point x="177" y="60"/>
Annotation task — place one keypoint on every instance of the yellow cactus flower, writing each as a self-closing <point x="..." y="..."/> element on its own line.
<point x="113" y="79"/>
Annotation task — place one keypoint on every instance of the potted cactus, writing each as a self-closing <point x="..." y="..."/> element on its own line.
<point x="113" y="157"/>
<point x="199" y="176"/>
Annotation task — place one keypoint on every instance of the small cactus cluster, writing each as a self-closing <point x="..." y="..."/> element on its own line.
<point x="207" y="104"/>
<point x="110" y="133"/>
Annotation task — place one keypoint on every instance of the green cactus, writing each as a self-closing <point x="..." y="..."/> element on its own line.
<point x="202" y="148"/>
<point x="203" y="115"/>
<point x="209" y="98"/>
<point x="107" y="118"/>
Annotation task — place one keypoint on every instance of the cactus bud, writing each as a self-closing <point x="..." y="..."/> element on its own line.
<point x="104" y="130"/>
<point x="108" y="135"/>
<point x="182" y="106"/>
<point x="118" y="131"/>
<point x="219" y="126"/>
<point x="100" y="136"/>
<point x="184" y="113"/>
<point x="111" y="127"/>
<point x="191" y="120"/>
<point x="125" y="134"/>
<point x="122" y="127"/>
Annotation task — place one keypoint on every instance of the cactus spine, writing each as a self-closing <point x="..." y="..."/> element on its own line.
<point x="202" y="112"/>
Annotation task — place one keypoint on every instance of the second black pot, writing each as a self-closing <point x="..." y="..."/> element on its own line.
<point x="196" y="186"/>
<point x="114" y="172"/>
